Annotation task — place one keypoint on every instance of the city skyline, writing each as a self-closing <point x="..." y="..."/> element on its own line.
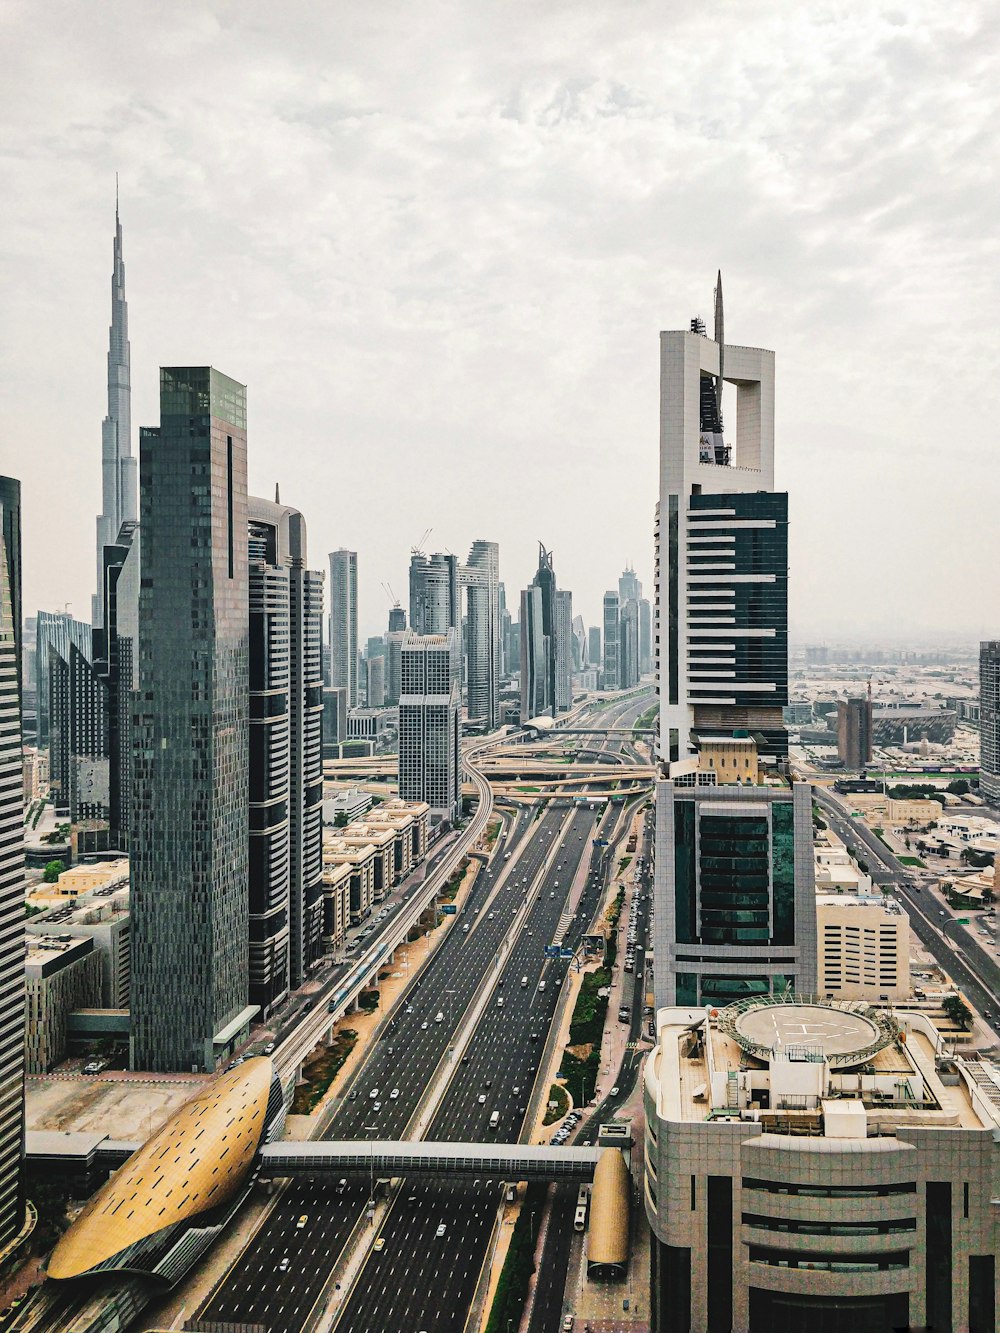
<point x="873" y="255"/>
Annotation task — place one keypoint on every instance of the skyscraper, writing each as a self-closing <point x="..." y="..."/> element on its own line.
<point x="11" y="866"/>
<point x="612" y="645"/>
<point x="628" y="645"/>
<point x="645" y="636"/>
<point x="344" y="623"/>
<point x="564" y="650"/>
<point x="286" y="774"/>
<point x="539" y="641"/>
<point x="55" y="631"/>
<point x="854" y="731"/>
<point x="435" y="593"/>
<point x="190" y="834"/>
<point x="481" y="578"/>
<point x="430" y="728"/>
<point x="397" y="619"/>
<point x="118" y="469"/>
<point x="629" y="586"/>
<point x="116" y="663"/>
<point x="595" y="655"/>
<point x="579" y="644"/>
<point x="723" y="584"/>
<point x="989" y="719"/>
<point x="375" y="682"/>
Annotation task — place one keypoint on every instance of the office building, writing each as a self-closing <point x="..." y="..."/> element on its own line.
<point x="645" y="636"/>
<point x="430" y="723"/>
<point x="735" y="893"/>
<point x="79" y="774"/>
<point x="61" y="973"/>
<point x="564" y="650"/>
<point x="115" y="649"/>
<point x="278" y="542"/>
<point x="546" y="643"/>
<point x="397" y="619"/>
<point x="334" y="721"/>
<point x="807" y="1168"/>
<point x="612" y="643"/>
<point x="435" y="593"/>
<point x="480" y="577"/>
<point x="723" y="578"/>
<point x="118" y="464"/>
<point x="55" y="633"/>
<point x="393" y="666"/>
<point x="864" y="948"/>
<point x="595" y="654"/>
<point x="629" y="586"/>
<point x="628" y="645"/>
<point x="190" y="828"/>
<point x="344" y="623"/>
<point x="11" y="866"/>
<point x="375" y="682"/>
<point x="508" y="660"/>
<point x="579" y="644"/>
<point x="854" y="732"/>
<point x="989" y="719"/>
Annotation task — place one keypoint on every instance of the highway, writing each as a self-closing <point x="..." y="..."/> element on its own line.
<point x="935" y="924"/>
<point x="277" y="1281"/>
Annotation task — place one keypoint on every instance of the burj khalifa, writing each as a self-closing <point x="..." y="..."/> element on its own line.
<point x="119" y="467"/>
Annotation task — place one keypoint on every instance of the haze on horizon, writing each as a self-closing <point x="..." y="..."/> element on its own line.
<point x="439" y="255"/>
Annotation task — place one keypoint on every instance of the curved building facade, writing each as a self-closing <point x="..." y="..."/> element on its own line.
<point x="158" y="1214"/>
<point x="806" y="1167"/>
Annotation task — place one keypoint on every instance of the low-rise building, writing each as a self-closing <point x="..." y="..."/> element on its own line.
<point x="36" y="774"/>
<point x="864" y="948"/>
<point x="104" y="920"/>
<point x="806" y="1167"/>
<point x="361" y="860"/>
<point x="61" y="973"/>
<point x="83" y="881"/>
<point x="730" y="759"/>
<point x="336" y="903"/>
<point x="837" y="872"/>
<point x="345" y="806"/>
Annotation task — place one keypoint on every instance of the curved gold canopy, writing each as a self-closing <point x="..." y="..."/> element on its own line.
<point x="607" y="1240"/>
<point x="197" y="1161"/>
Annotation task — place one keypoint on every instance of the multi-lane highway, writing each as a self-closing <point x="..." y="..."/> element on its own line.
<point x="512" y="913"/>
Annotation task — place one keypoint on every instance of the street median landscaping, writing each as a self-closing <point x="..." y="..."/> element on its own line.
<point x="320" y="1069"/>
<point x="512" y="1286"/>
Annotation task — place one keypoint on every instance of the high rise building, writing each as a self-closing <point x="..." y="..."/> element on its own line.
<point x="344" y="623"/>
<point x="190" y="828"/>
<point x="722" y="587"/>
<point x="481" y="578"/>
<point x="79" y="740"/>
<point x="989" y="719"/>
<point x="735" y="893"/>
<point x="854" y="731"/>
<point x="334" y="721"/>
<point x="507" y="660"/>
<point x="11" y="866"/>
<point x="629" y="586"/>
<point x="612" y="641"/>
<point x="628" y="645"/>
<point x="394" y="666"/>
<point x="118" y="465"/>
<point x="579" y="644"/>
<point x="564" y="651"/>
<point x="435" y="593"/>
<point x="375" y="682"/>
<point x="286" y="771"/>
<point x="55" y="632"/>
<point x="645" y="636"/>
<point x="115" y="644"/>
<point x="397" y="619"/>
<point x="430" y="728"/>
<point x="541" y="619"/>
<point x="595" y="654"/>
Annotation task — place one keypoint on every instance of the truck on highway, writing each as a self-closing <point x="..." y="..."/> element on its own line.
<point x="494" y="1119"/>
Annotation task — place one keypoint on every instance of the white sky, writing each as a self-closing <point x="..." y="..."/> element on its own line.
<point x="438" y="242"/>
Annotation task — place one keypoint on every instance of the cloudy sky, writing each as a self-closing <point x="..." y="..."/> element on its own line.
<point x="437" y="242"/>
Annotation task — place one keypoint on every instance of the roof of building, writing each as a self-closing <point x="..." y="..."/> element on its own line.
<point x="197" y="1162"/>
<point x="607" y="1240"/>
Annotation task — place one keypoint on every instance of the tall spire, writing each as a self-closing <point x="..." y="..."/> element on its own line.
<point x="118" y="466"/>
<point x="720" y="338"/>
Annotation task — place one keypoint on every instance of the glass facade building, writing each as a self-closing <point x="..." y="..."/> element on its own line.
<point x="190" y="833"/>
<point x="735" y="893"/>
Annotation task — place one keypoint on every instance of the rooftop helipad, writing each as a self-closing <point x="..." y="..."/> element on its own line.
<point x="842" y="1034"/>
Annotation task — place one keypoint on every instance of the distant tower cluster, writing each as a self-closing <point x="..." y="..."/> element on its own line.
<point x="546" y="643"/>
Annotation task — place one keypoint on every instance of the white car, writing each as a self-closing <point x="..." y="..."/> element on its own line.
<point x="441" y="1230"/>
<point x="394" y="1094"/>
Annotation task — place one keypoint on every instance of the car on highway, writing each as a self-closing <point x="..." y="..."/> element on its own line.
<point x="441" y="1230"/>
<point x="284" y="1265"/>
<point x="394" y="1094"/>
<point x="379" y="1245"/>
<point x="376" y="1106"/>
<point x="301" y="1223"/>
<point x="614" y="1091"/>
<point x="481" y="1099"/>
<point x="424" y="1025"/>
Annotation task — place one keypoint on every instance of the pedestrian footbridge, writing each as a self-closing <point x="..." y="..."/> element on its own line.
<point x="499" y="1161"/>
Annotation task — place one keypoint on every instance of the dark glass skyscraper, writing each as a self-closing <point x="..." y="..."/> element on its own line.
<point x="189" y="848"/>
<point x="11" y="865"/>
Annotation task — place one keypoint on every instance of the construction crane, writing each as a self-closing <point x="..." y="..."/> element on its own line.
<point x="387" y="589"/>
<point x="419" y="548"/>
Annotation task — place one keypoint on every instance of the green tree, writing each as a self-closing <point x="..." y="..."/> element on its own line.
<point x="957" y="1010"/>
<point x="340" y="819"/>
<point x="959" y="787"/>
<point x="52" y="871"/>
<point x="979" y="859"/>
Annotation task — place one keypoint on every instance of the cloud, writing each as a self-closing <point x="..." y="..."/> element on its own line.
<point x="438" y="245"/>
